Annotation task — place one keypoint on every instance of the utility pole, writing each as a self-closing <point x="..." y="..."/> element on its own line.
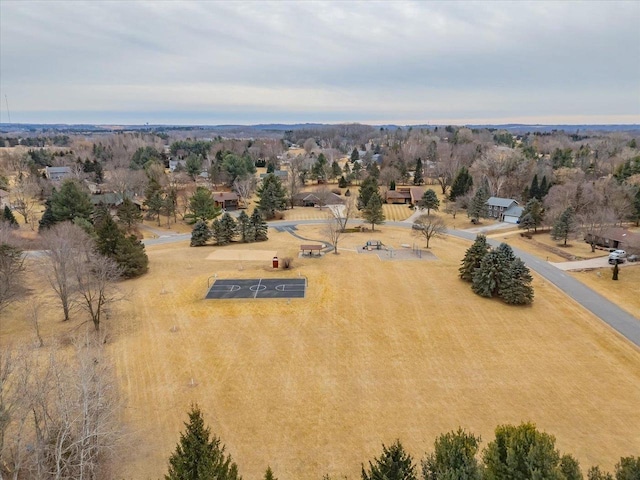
<point x="6" y="101"/>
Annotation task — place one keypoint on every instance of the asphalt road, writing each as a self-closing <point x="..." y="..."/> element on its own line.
<point x="621" y="321"/>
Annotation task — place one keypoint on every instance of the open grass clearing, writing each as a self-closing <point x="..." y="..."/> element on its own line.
<point x="377" y="351"/>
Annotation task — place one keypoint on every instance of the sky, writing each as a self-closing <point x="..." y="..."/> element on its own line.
<point x="393" y="62"/>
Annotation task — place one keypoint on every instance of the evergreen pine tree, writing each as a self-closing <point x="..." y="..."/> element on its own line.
<point x="272" y="196"/>
<point x="368" y="188"/>
<point x="336" y="171"/>
<point x="473" y="257"/>
<point x="258" y="226"/>
<point x="355" y="155"/>
<point x="454" y="458"/>
<point x="417" y="176"/>
<point x="131" y="257"/>
<point x="129" y="215"/>
<point x="565" y="226"/>
<point x="628" y="468"/>
<point x="70" y="201"/>
<point x="217" y="232"/>
<point x="478" y="207"/>
<point x="570" y="468"/>
<point x="154" y="200"/>
<point x="373" y="212"/>
<point x="202" y="206"/>
<point x="462" y="184"/>
<point x="515" y="287"/>
<point x="229" y="227"/>
<point x="544" y="188"/>
<point x="7" y="216"/>
<point x="268" y="475"/>
<point x="429" y="201"/>
<point x="342" y="182"/>
<point x="521" y="453"/>
<point x="244" y="227"/>
<point x="535" y="211"/>
<point x="200" y="234"/>
<point x="128" y="252"/>
<point x="200" y="456"/>
<point x="393" y="464"/>
<point x="534" y="189"/>
<point x="616" y="271"/>
<point x="596" y="474"/>
<point x="486" y="278"/>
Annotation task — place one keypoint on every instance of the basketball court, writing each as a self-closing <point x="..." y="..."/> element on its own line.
<point x="258" y="288"/>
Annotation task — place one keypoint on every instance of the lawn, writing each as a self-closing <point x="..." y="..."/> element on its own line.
<point x="378" y="350"/>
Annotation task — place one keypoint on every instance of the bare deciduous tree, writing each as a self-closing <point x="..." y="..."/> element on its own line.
<point x="12" y="268"/>
<point x="429" y="226"/>
<point x="338" y="224"/>
<point x="25" y="201"/>
<point x="244" y="187"/>
<point x="58" y="413"/>
<point x="66" y="247"/>
<point x="95" y="279"/>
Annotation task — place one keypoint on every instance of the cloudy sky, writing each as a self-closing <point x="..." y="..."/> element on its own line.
<point x="206" y="62"/>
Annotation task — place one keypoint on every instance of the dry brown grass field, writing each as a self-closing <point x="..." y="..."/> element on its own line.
<point x="623" y="292"/>
<point x="378" y="350"/>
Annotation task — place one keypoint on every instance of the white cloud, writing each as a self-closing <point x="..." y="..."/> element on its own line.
<point x="398" y="60"/>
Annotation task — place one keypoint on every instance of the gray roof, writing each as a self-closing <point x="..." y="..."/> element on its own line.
<point x="58" y="169"/>
<point x="501" y="202"/>
<point x="514" y="211"/>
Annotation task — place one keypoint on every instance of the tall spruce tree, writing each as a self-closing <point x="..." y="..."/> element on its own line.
<point x="129" y="215"/>
<point x="522" y="452"/>
<point x="127" y="251"/>
<point x="486" y="279"/>
<point x="418" y="179"/>
<point x="473" y="257"/>
<point x="268" y="475"/>
<point x="462" y="184"/>
<point x="535" y="211"/>
<point x="368" y="188"/>
<point x="393" y="464"/>
<point x="534" y="189"/>
<point x="429" y="201"/>
<point x="515" y="287"/>
<point x="373" y="212"/>
<point x="154" y="200"/>
<point x="202" y="206"/>
<point x="47" y="220"/>
<point x="564" y="226"/>
<point x="244" y="228"/>
<point x="258" y="226"/>
<point x="478" y="207"/>
<point x="454" y="458"/>
<point x="272" y="196"/>
<point x="200" y="234"/>
<point x="7" y="216"/>
<point x="70" y="202"/>
<point x="229" y="227"/>
<point x="199" y="455"/>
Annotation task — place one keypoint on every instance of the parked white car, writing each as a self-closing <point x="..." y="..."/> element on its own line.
<point x="617" y="256"/>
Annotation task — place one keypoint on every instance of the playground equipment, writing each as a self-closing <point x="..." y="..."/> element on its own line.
<point x="374" y="245"/>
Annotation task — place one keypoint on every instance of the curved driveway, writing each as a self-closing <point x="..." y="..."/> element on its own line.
<point x="620" y="320"/>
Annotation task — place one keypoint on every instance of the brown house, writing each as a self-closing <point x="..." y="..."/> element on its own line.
<point x="403" y="194"/>
<point x="226" y="200"/>
<point x="615" y="238"/>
